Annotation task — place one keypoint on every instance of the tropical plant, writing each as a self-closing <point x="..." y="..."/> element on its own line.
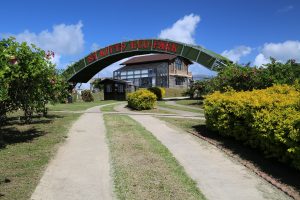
<point x="28" y="79"/>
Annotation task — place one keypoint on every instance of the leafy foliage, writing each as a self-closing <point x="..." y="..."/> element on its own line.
<point x="267" y="119"/>
<point x="28" y="80"/>
<point x="96" y="84"/>
<point x="142" y="99"/>
<point x="87" y="96"/>
<point x="248" y="78"/>
<point x="158" y="91"/>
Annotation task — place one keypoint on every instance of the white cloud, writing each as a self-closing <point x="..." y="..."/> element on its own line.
<point x="182" y="30"/>
<point x="280" y="51"/>
<point x="236" y="53"/>
<point x="56" y="59"/>
<point x="63" y="39"/>
<point x="260" y="59"/>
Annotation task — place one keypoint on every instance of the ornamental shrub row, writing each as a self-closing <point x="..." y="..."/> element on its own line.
<point x="158" y="91"/>
<point x="141" y="99"/>
<point x="267" y="119"/>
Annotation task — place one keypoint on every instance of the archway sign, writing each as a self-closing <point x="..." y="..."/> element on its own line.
<point x="83" y="70"/>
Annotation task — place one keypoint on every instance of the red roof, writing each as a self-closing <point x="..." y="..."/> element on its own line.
<point x="149" y="58"/>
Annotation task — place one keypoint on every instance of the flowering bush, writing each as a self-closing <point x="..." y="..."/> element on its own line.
<point x="141" y="100"/>
<point x="267" y="119"/>
<point x="28" y="79"/>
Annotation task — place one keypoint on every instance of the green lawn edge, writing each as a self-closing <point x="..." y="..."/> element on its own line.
<point x="133" y="179"/>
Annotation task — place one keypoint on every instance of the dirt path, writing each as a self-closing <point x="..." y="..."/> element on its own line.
<point x="217" y="175"/>
<point x="81" y="169"/>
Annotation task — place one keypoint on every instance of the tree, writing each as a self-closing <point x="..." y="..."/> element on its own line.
<point x="28" y="80"/>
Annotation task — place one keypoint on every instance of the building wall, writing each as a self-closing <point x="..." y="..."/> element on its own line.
<point x="184" y="71"/>
<point x="161" y="74"/>
<point x="173" y="84"/>
<point x="157" y="73"/>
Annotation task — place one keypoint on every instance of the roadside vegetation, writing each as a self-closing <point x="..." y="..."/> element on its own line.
<point x="142" y="167"/>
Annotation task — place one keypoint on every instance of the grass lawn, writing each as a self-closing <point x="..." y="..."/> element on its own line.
<point x="163" y="104"/>
<point x="25" y="150"/>
<point x="142" y="167"/>
<point x="174" y="92"/>
<point x="108" y="108"/>
<point x="157" y="111"/>
<point x="191" y="102"/>
<point x="77" y="106"/>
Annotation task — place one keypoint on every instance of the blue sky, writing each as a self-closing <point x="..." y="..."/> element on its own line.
<point x="245" y="31"/>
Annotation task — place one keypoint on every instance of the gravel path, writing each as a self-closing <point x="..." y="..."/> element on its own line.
<point x="81" y="169"/>
<point x="217" y="175"/>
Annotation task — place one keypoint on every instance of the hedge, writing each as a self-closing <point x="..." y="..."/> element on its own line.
<point x="267" y="119"/>
<point x="141" y="100"/>
<point x="158" y="91"/>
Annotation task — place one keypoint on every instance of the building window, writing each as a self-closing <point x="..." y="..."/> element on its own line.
<point x="108" y="88"/>
<point x="179" y="80"/>
<point x="137" y="71"/>
<point x="145" y="71"/>
<point x="178" y="64"/>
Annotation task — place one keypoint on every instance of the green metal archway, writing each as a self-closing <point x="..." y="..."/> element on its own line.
<point x="83" y="70"/>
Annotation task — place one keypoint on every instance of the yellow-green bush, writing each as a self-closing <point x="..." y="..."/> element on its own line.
<point x="267" y="119"/>
<point x="141" y="100"/>
<point x="158" y="91"/>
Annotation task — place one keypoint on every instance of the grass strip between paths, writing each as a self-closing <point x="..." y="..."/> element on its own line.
<point x="163" y="104"/>
<point x="142" y="167"/>
<point x="191" y="102"/>
<point x="77" y="106"/>
<point x="108" y="108"/>
<point x="25" y="150"/>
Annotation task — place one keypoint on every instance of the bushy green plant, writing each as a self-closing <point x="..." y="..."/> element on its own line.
<point x="267" y="119"/>
<point x="142" y="99"/>
<point x="28" y="79"/>
<point x="158" y="91"/>
<point x="87" y="96"/>
<point x="244" y="78"/>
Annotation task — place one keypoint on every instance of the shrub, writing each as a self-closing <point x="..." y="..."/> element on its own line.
<point x="242" y="78"/>
<point x="158" y="91"/>
<point x="87" y="96"/>
<point x="141" y="100"/>
<point x="267" y="119"/>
